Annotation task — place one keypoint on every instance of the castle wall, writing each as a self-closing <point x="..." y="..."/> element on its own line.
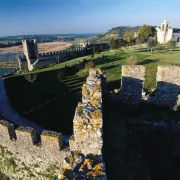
<point x="87" y="141"/>
<point x="168" y="84"/>
<point x="34" y="60"/>
<point x="27" y="148"/>
<point x="57" y="57"/>
<point x="132" y="83"/>
<point x="88" y="117"/>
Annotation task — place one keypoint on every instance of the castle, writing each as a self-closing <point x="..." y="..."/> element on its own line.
<point x="165" y="33"/>
<point x="31" y="59"/>
<point x="29" y="148"/>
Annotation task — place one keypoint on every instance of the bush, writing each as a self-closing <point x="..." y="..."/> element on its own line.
<point x="60" y="75"/>
<point x="89" y="65"/>
<point x="85" y="71"/>
<point x="132" y="61"/>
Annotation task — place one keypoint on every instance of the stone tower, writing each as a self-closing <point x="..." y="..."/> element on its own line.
<point x="30" y="52"/>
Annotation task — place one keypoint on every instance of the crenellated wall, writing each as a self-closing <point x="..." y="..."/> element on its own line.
<point x="32" y="59"/>
<point x="84" y="159"/>
<point x="168" y="85"/>
<point x="166" y="93"/>
<point x="132" y="83"/>
<point x="26" y="147"/>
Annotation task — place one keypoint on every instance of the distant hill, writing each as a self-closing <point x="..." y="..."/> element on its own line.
<point x="116" y="32"/>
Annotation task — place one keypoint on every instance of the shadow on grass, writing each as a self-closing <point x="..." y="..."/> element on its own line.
<point x="56" y="115"/>
<point x="109" y="67"/>
<point x="148" y="61"/>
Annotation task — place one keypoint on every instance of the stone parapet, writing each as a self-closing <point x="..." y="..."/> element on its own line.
<point x="87" y="140"/>
<point x="132" y="83"/>
<point x="167" y="86"/>
<point x="52" y="141"/>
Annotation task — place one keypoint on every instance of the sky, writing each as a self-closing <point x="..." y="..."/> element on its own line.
<point x="22" y="17"/>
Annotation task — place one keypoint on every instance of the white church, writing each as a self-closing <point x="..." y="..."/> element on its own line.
<point x="165" y="33"/>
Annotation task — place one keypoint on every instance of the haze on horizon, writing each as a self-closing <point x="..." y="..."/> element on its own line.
<point x="23" y="17"/>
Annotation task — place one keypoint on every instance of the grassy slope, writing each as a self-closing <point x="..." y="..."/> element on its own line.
<point x="114" y="60"/>
<point x="47" y="85"/>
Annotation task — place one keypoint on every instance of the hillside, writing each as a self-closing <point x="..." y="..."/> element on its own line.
<point x="116" y="32"/>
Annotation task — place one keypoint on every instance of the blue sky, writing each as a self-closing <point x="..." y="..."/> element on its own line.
<point x="20" y="17"/>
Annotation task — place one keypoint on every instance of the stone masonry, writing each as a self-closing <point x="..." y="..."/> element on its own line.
<point x="31" y="157"/>
<point x="85" y="160"/>
<point x="32" y="59"/>
<point x="168" y="85"/>
<point x="132" y="83"/>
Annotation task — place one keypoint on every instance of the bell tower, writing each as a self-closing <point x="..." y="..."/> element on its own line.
<point x="165" y="25"/>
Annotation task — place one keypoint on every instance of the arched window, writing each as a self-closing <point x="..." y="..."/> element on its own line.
<point x="178" y="39"/>
<point x="167" y="27"/>
<point x="163" y="27"/>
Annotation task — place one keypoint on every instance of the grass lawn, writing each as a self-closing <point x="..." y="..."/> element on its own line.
<point x="113" y="60"/>
<point x="58" y="79"/>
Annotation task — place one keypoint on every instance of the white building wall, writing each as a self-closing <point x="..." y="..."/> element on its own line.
<point x="165" y="33"/>
<point x="176" y="36"/>
<point x="169" y="35"/>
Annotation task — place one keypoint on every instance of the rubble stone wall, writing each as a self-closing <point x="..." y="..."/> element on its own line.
<point x="25" y="148"/>
<point x="86" y="142"/>
<point x="32" y="59"/>
<point x="168" y="85"/>
<point x="132" y="83"/>
<point x="166" y="93"/>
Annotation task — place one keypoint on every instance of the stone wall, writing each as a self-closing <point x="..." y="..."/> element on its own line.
<point x="168" y="86"/>
<point x="27" y="148"/>
<point x="85" y="160"/>
<point x="166" y="93"/>
<point x="32" y="59"/>
<point x="132" y="83"/>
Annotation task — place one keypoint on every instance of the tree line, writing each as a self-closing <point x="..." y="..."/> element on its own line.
<point x="145" y="34"/>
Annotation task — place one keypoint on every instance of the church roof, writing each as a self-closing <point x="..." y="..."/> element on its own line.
<point x="176" y="30"/>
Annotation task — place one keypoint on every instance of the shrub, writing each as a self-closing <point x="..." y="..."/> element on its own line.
<point x="89" y="65"/>
<point x="60" y="75"/>
<point x="85" y="71"/>
<point x="132" y="61"/>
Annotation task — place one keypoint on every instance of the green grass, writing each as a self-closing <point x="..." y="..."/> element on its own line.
<point x="72" y="76"/>
<point x="113" y="61"/>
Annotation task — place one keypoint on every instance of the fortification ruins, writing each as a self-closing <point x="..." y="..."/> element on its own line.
<point x="32" y="59"/>
<point x="84" y="157"/>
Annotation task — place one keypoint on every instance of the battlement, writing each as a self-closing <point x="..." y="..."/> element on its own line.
<point x="27" y="145"/>
<point x="59" y="53"/>
<point x="28" y="136"/>
<point x="34" y="59"/>
<point x="167" y="86"/>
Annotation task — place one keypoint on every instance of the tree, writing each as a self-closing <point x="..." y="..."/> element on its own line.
<point x="114" y="43"/>
<point x="145" y="32"/>
<point x="171" y="45"/>
<point x="129" y="37"/>
<point x="57" y="58"/>
<point x="152" y="43"/>
<point x="31" y="78"/>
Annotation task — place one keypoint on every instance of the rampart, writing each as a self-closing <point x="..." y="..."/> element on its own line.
<point x="46" y="149"/>
<point x="32" y="59"/>
<point x="86" y="143"/>
<point x="166" y="92"/>
<point x="30" y="149"/>
<point x="85" y="156"/>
